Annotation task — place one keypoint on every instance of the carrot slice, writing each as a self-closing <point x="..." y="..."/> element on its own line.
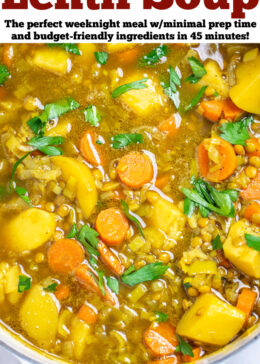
<point x="196" y="353"/>
<point x="212" y="109"/>
<point x="168" y="126"/>
<point x="225" y="155"/>
<point x="8" y="53"/>
<point x="252" y="209"/>
<point x="84" y="276"/>
<point x="252" y="192"/>
<point x="257" y="147"/>
<point x="90" y="150"/>
<point x="65" y="255"/>
<point x="162" y="181"/>
<point x="172" y="360"/>
<point x="246" y="301"/>
<point x="87" y="314"/>
<point x="112" y="226"/>
<point x="110" y="259"/>
<point x="230" y="110"/>
<point x="62" y="292"/>
<point x="135" y="169"/>
<point x="161" y="340"/>
<point x="128" y="56"/>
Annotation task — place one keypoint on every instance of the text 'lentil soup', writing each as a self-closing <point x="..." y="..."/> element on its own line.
<point x="129" y="190"/>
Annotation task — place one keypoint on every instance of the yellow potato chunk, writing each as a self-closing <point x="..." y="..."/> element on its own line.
<point x="86" y="188"/>
<point x="62" y="128"/>
<point x="80" y="334"/>
<point x="28" y="230"/>
<point x="119" y="47"/>
<point x="87" y="56"/>
<point x="245" y="94"/>
<point x="39" y="316"/>
<point x="238" y="252"/>
<point x="165" y="215"/>
<point x="52" y="59"/>
<point x="214" y="79"/>
<point x="144" y="101"/>
<point x="211" y="321"/>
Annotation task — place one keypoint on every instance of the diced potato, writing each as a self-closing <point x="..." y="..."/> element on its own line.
<point x="28" y="230"/>
<point x="214" y="79"/>
<point x="86" y="188"/>
<point x="80" y="331"/>
<point x="39" y="316"/>
<point x="211" y="321"/>
<point x="52" y="59"/>
<point x="144" y="101"/>
<point x="166" y="216"/>
<point x="64" y="318"/>
<point x="238" y="252"/>
<point x="203" y="267"/>
<point x="61" y="129"/>
<point x="245" y="94"/>
<point x="138" y="243"/>
<point x="87" y="50"/>
<point x="12" y="279"/>
<point x="119" y="47"/>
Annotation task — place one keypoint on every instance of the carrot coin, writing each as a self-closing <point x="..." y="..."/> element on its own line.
<point x="65" y="255"/>
<point x="110" y="259"/>
<point x="135" y="169"/>
<point x="87" y="314"/>
<point x="252" y="192"/>
<point x="90" y="150"/>
<point x="161" y="340"/>
<point x="62" y="292"/>
<point x="112" y="226"/>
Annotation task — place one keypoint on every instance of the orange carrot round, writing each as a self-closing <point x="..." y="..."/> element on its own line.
<point x="212" y="109"/>
<point x="252" y="192"/>
<point x="87" y="314"/>
<point x="135" y="169"/>
<point x="65" y="255"/>
<point x="196" y="353"/>
<point x="8" y="53"/>
<point x="257" y="147"/>
<point x="110" y="259"/>
<point x="226" y="164"/>
<point x="168" y="126"/>
<point x="251" y="210"/>
<point x="246" y="301"/>
<point x="112" y="226"/>
<point x="162" y="339"/>
<point x="62" y="292"/>
<point x="172" y="360"/>
<point x="230" y="110"/>
<point x="90" y="150"/>
<point x="162" y="181"/>
<point x="128" y="56"/>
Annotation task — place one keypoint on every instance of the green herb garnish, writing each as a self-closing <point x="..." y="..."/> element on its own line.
<point x="136" y="85"/>
<point x="216" y="243"/>
<point x="170" y="89"/>
<point x="51" y="288"/>
<point x="236" y="133"/>
<point x="68" y="47"/>
<point x="187" y="285"/>
<point x="132" y="217"/>
<point x="73" y="232"/>
<point x="93" y="261"/>
<point x="101" y="57"/>
<point x="253" y="241"/>
<point x="92" y="115"/>
<point x="113" y="284"/>
<point x="23" y="193"/>
<point x="161" y="317"/>
<point x="24" y="283"/>
<point x="196" y="98"/>
<point x="123" y="140"/>
<point x="4" y="73"/>
<point x="197" y="69"/>
<point x="154" y="56"/>
<point x="184" y="347"/>
<point x="149" y="272"/>
<point x="45" y="144"/>
<point x="14" y="169"/>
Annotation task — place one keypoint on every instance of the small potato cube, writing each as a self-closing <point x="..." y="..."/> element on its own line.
<point x="87" y="56"/>
<point x="211" y="321"/>
<point x="238" y="252"/>
<point x="80" y="335"/>
<point x="52" y="59"/>
<point x="214" y="79"/>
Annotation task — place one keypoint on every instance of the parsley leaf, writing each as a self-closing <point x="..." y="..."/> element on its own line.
<point x="216" y="243"/>
<point x="154" y="56"/>
<point x="170" y="89"/>
<point x="197" y="69"/>
<point x="51" y="288"/>
<point x="24" y="283"/>
<point x="101" y="57"/>
<point x="236" y="133"/>
<point x="123" y="140"/>
<point x="92" y="115"/>
<point x="68" y="47"/>
<point x="4" y="73"/>
<point x="196" y="98"/>
<point x="253" y="241"/>
<point x="136" y="85"/>
<point x="208" y="199"/>
<point x="88" y="235"/>
<point x="73" y="232"/>
<point x="149" y="272"/>
<point x="161" y="317"/>
<point x="23" y="193"/>
<point x="132" y="217"/>
<point x="14" y="169"/>
<point x="187" y="285"/>
<point x="184" y="347"/>
<point x="113" y="284"/>
<point x="93" y="261"/>
<point x="45" y="144"/>
<point x="189" y="206"/>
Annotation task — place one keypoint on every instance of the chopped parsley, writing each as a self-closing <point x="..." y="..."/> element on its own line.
<point x="135" y="85"/>
<point x="187" y="285"/>
<point x="184" y="347"/>
<point x="236" y="133"/>
<point x="14" y="170"/>
<point x="4" y="73"/>
<point x="132" y="217"/>
<point x="45" y="144"/>
<point x="92" y="115"/>
<point x="68" y="47"/>
<point x="149" y="272"/>
<point x="51" y="288"/>
<point x="101" y="57"/>
<point x="113" y="284"/>
<point x="154" y="56"/>
<point x="197" y="69"/>
<point x="253" y="241"/>
<point x="216" y="243"/>
<point x="23" y="193"/>
<point x="170" y="87"/>
<point x="123" y="140"/>
<point x="161" y="317"/>
<point x="24" y="283"/>
<point x="73" y="232"/>
<point x="196" y="98"/>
